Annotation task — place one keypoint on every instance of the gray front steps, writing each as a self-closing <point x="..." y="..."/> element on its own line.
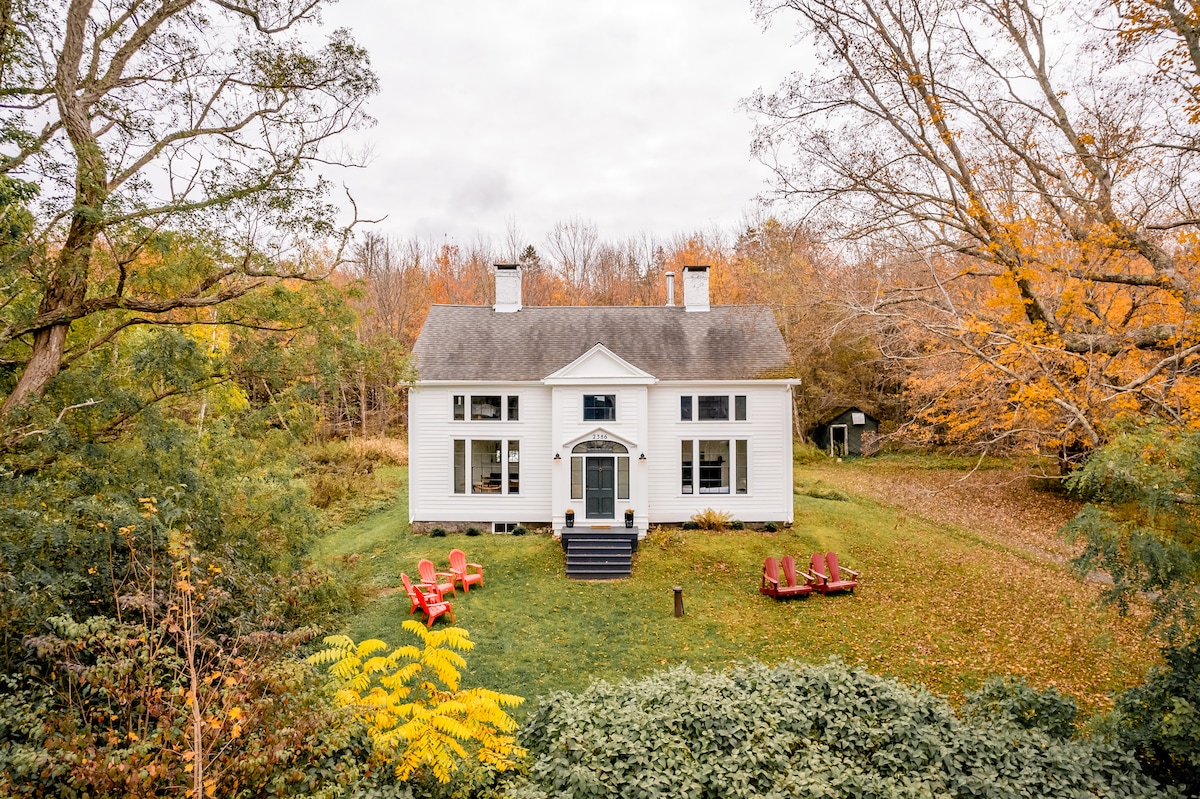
<point x="600" y="554"/>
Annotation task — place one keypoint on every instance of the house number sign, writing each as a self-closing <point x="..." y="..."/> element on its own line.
<point x="600" y="437"/>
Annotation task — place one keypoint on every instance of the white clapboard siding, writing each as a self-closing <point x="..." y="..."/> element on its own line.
<point x="431" y="435"/>
<point x="767" y="430"/>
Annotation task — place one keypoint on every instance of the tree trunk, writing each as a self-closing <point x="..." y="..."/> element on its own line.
<point x="42" y="367"/>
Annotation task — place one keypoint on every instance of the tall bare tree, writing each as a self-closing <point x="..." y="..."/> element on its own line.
<point x="1035" y="183"/>
<point x="136" y="117"/>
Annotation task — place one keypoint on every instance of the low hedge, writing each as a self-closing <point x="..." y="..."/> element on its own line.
<point x="807" y="731"/>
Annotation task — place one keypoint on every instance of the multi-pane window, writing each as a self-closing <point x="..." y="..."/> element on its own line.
<point x="486" y="407"/>
<point x="714" y="466"/>
<point x="487" y="466"/>
<point x="599" y="407"/>
<point x="712" y="407"/>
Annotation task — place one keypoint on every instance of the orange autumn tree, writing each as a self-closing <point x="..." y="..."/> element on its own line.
<point x="1022" y="196"/>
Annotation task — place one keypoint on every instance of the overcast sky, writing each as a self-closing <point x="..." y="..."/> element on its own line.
<point x="623" y="113"/>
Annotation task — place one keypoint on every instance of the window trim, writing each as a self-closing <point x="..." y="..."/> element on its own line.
<point x="737" y="407"/>
<point x="737" y="469"/>
<point x="461" y="466"/>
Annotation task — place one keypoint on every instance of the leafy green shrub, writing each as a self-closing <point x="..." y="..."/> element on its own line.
<point x="1160" y="720"/>
<point x="709" y="519"/>
<point x="737" y="524"/>
<point x="519" y="530"/>
<point x="793" y="731"/>
<point x="771" y="527"/>
<point x="474" y="531"/>
<point x="437" y="532"/>
<point x="1010" y="700"/>
<point x="689" y="525"/>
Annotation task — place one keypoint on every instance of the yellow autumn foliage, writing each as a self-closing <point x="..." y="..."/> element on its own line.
<point x="410" y="698"/>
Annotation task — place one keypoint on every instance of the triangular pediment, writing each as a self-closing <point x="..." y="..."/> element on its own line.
<point x="599" y="365"/>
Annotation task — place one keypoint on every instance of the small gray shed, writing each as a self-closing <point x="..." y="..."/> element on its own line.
<point x="848" y="431"/>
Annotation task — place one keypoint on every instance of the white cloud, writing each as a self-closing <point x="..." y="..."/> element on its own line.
<point x="623" y="113"/>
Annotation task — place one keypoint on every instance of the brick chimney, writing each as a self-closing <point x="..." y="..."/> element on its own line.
<point x="695" y="288"/>
<point x="508" y="288"/>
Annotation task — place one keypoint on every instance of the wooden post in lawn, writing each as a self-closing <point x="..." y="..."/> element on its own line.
<point x="678" y="601"/>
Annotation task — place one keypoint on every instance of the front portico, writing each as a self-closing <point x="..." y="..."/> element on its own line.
<point x="600" y="420"/>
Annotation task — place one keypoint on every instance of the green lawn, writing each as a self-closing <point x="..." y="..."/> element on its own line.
<point x="938" y="605"/>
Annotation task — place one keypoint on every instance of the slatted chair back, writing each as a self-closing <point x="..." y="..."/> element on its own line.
<point x="816" y="565"/>
<point x="443" y="583"/>
<point x="412" y="593"/>
<point x="789" y="570"/>
<point x="770" y="578"/>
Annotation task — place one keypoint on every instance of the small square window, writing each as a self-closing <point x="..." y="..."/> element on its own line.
<point x="599" y="407"/>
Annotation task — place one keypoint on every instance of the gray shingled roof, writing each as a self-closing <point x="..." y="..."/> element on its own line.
<point x="728" y="342"/>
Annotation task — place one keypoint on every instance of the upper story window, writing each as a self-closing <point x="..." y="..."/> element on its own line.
<point x="487" y="407"/>
<point x="599" y="407"/>
<point x="712" y="407"/>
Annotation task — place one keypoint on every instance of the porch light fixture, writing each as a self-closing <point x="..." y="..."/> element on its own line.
<point x="557" y="457"/>
<point x="642" y="457"/>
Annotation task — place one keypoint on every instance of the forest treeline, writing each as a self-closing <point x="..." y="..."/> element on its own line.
<point x="987" y="236"/>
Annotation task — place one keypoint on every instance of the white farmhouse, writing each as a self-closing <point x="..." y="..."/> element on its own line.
<point x="598" y="421"/>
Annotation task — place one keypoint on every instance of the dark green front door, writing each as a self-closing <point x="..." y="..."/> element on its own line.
<point x="599" y="488"/>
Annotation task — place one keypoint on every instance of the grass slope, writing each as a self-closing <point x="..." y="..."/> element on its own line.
<point x="938" y="605"/>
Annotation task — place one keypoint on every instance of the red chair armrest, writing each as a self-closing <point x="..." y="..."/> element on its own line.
<point x="843" y="568"/>
<point x="443" y="574"/>
<point x="475" y="566"/>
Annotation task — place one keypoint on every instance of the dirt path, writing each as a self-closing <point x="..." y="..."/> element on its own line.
<point x="999" y="504"/>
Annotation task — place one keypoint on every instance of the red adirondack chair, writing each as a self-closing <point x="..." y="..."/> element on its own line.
<point x="412" y="592"/>
<point x="436" y="579"/>
<point x="770" y="578"/>
<point x="829" y="582"/>
<point x="791" y="586"/>
<point x="462" y="570"/>
<point x="433" y="609"/>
